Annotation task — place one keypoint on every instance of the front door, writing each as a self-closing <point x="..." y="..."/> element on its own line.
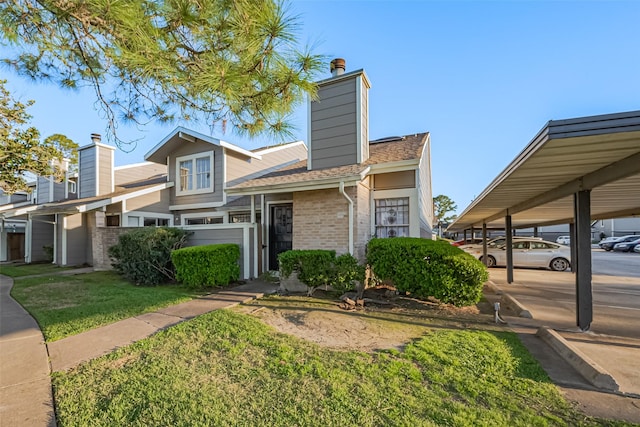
<point x="280" y="233"/>
<point x="15" y="243"/>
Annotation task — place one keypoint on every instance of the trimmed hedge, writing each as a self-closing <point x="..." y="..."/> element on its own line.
<point x="143" y="255"/>
<point x="207" y="265"/>
<point x="322" y="267"/>
<point x="427" y="268"/>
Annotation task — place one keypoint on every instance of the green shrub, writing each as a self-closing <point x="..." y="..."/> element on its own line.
<point x="320" y="268"/>
<point x="143" y="255"/>
<point x="428" y="268"/>
<point x="207" y="265"/>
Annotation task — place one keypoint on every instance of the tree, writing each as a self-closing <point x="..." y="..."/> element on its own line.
<point x="21" y="149"/>
<point x="227" y="62"/>
<point x="442" y="205"/>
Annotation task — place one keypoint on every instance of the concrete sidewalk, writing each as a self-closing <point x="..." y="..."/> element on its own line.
<point x="599" y="372"/>
<point x="26" y="362"/>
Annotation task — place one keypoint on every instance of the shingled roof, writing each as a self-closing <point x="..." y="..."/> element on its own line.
<point x="384" y="151"/>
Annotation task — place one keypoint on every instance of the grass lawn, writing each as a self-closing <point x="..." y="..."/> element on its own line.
<point x="68" y="305"/>
<point x="227" y="368"/>
<point x="30" y="269"/>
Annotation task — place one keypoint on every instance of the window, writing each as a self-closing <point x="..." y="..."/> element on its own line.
<point x="208" y="220"/>
<point x="242" y="217"/>
<point x="156" y="222"/>
<point x="392" y="217"/>
<point x="113" y="220"/>
<point x="195" y="173"/>
<point x="71" y="187"/>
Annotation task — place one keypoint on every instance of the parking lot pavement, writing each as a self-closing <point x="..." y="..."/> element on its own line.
<point x="598" y="370"/>
<point x="615" y="263"/>
<point x="614" y="339"/>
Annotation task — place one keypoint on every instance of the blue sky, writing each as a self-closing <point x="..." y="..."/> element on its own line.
<point x="482" y="77"/>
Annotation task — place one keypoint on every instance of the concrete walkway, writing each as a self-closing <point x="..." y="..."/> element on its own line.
<point x="26" y="362"/>
<point x="598" y="371"/>
<point x="25" y="384"/>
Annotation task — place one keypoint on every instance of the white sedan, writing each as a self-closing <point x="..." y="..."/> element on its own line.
<point x="528" y="253"/>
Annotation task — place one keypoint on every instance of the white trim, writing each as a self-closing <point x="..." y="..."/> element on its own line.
<point x="64" y="260"/>
<point x="414" y="212"/>
<point x="359" y="120"/>
<point x="28" y="234"/>
<point x="211" y="214"/>
<point x="289" y="187"/>
<point x="190" y="135"/>
<point x="350" y="216"/>
<point x="55" y="239"/>
<point x="113" y="171"/>
<point x="51" y="188"/>
<point x="255" y="236"/>
<point x="246" y="253"/>
<point x="400" y="166"/>
<point x="97" y="144"/>
<point x="133" y="165"/>
<point x="194" y="158"/>
<point x="310" y="147"/>
<point x="196" y="206"/>
<point x="237" y="149"/>
<point x="262" y="232"/>
<point x="269" y="150"/>
<point x="124" y="220"/>
<point x="124" y="197"/>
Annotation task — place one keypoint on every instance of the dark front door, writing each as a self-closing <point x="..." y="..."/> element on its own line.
<point x="15" y="243"/>
<point x="280" y="233"/>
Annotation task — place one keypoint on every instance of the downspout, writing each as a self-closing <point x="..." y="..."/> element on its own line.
<point x="55" y="239"/>
<point x="350" y="216"/>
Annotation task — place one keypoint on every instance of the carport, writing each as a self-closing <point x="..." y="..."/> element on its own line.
<point x="574" y="171"/>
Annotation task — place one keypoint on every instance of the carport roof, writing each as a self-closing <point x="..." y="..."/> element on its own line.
<point x="598" y="153"/>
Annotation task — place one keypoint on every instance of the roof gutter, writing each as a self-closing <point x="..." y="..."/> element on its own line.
<point x="341" y="189"/>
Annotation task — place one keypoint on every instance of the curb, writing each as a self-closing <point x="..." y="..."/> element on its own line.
<point x="509" y="301"/>
<point x="589" y="369"/>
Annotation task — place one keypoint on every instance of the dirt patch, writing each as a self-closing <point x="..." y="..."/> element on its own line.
<point x="386" y="321"/>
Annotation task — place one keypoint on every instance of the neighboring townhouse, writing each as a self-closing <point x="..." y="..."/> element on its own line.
<point x="110" y="200"/>
<point x="336" y="194"/>
<point x="348" y="189"/>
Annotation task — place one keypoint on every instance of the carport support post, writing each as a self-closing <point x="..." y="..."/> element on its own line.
<point x="584" y="301"/>
<point x="484" y="244"/>
<point x="509" y="248"/>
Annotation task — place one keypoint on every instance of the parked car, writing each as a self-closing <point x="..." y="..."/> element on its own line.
<point x="607" y="240"/>
<point x="497" y="241"/>
<point x="627" y="245"/>
<point x="637" y="249"/>
<point x="607" y="246"/>
<point x="564" y="240"/>
<point x="468" y="241"/>
<point x="528" y="253"/>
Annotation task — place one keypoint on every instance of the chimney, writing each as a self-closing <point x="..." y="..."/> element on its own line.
<point x="337" y="67"/>
<point x="95" y="168"/>
<point x="338" y="131"/>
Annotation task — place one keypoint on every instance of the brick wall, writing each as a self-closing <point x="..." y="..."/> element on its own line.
<point x="321" y="220"/>
<point x="102" y="238"/>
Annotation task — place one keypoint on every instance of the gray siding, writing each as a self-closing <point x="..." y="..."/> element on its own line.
<point x="43" y="195"/>
<point x="240" y="169"/>
<point x="87" y="173"/>
<point x="393" y="180"/>
<point x="218" y="174"/>
<point x="138" y="172"/>
<point x="41" y="235"/>
<point x="154" y="202"/>
<point x="105" y="170"/>
<point x="76" y="240"/>
<point x="59" y="190"/>
<point x="333" y="127"/>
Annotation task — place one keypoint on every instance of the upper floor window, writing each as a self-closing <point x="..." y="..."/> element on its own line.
<point x="195" y="173"/>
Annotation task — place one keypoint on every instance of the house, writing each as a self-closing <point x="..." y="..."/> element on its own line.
<point x="348" y="189"/>
<point x="337" y="193"/>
